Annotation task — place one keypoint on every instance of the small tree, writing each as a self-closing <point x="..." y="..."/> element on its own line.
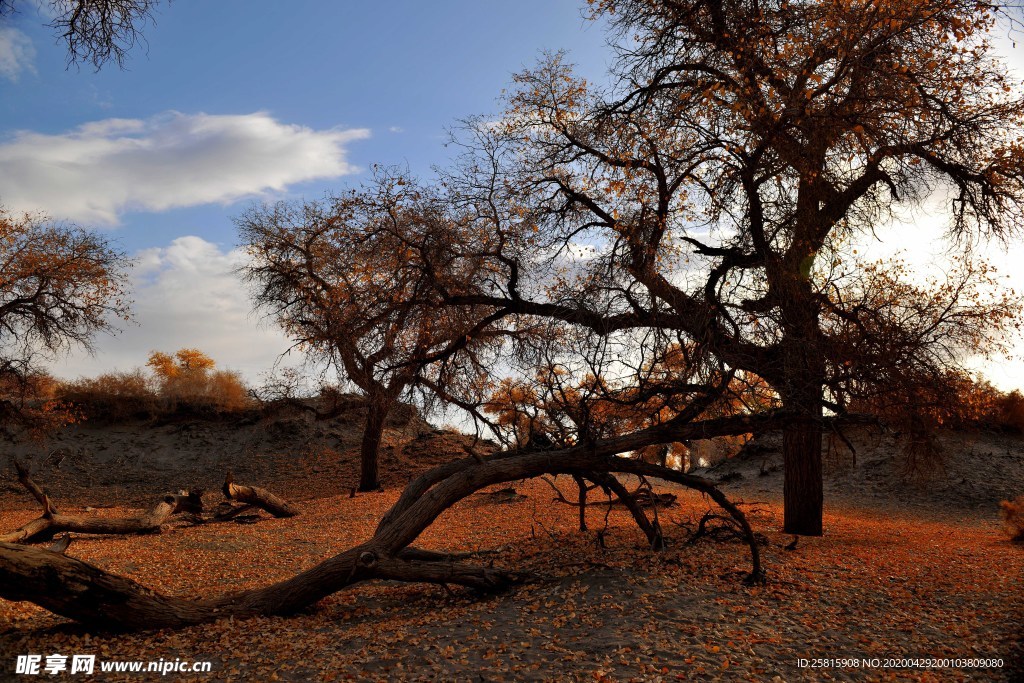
<point x="351" y="281"/>
<point x="189" y="378"/>
<point x="59" y="285"/>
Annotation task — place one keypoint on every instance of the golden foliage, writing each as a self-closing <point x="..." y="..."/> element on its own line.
<point x="112" y="396"/>
<point x="188" y="379"/>
<point x="59" y="285"/>
<point x="31" y="403"/>
<point x="183" y="381"/>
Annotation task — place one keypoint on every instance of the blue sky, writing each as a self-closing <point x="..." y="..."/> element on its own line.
<point x="233" y="101"/>
<point x="402" y="71"/>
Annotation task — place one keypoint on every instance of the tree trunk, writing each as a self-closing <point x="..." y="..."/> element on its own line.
<point x="801" y="437"/>
<point x="582" y="486"/>
<point x="804" y="500"/>
<point x="377" y="413"/>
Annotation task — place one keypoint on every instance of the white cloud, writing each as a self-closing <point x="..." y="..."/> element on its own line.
<point x="103" y="168"/>
<point x="16" y="53"/>
<point x="186" y="295"/>
<point x="396" y="129"/>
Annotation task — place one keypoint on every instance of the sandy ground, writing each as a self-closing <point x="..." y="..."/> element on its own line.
<point x="130" y="463"/>
<point x="910" y="567"/>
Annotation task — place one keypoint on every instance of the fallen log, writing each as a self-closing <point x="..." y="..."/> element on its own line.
<point x="80" y="591"/>
<point x="255" y="496"/>
<point x="52" y="522"/>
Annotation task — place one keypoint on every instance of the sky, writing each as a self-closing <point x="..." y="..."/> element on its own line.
<point x="235" y="101"/>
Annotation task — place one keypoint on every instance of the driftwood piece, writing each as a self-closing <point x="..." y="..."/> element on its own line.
<point x="52" y="522"/>
<point x="26" y="480"/>
<point x="255" y="496"/>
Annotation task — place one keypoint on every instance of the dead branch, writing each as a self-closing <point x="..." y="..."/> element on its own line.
<point x="504" y="495"/>
<point x="61" y="544"/>
<point x="52" y="522"/>
<point x="651" y="529"/>
<point x="261" y="498"/>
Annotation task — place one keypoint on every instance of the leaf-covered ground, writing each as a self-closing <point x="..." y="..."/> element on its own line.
<point x="886" y="583"/>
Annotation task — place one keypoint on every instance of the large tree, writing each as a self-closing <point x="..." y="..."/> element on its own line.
<point x="743" y="140"/>
<point x="742" y="145"/>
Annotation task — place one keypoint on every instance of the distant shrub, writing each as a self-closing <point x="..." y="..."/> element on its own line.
<point x="955" y="400"/>
<point x="1009" y="411"/>
<point x="1013" y="516"/>
<point x="228" y="392"/>
<point x="31" y="407"/>
<point x="112" y="395"/>
<point x="37" y="386"/>
<point x="185" y="382"/>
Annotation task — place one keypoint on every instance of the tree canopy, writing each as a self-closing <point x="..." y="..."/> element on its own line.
<point x="59" y="286"/>
<point x="356" y="282"/>
<point x="95" y="31"/>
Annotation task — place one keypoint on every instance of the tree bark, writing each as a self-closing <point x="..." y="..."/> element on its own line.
<point x="803" y="495"/>
<point x="582" y="486"/>
<point x="261" y="498"/>
<point x="377" y="413"/>
<point x="801" y="397"/>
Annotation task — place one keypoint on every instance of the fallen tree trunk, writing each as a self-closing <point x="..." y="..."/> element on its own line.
<point x="261" y="498"/>
<point x="52" y="522"/>
<point x="79" y="591"/>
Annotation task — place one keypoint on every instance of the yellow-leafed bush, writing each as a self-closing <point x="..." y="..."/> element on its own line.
<point x="185" y="381"/>
<point x="112" y="395"/>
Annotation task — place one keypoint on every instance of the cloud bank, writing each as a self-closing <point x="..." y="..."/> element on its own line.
<point x="97" y="171"/>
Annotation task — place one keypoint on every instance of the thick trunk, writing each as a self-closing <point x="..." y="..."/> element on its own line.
<point x="801" y="449"/>
<point x="801" y="437"/>
<point x="377" y="413"/>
